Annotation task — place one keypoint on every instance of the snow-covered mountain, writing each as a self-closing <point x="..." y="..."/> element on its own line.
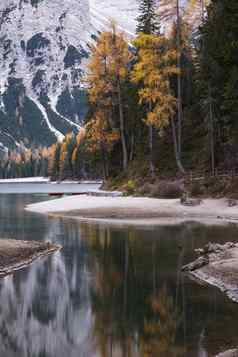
<point x="44" y="47"/>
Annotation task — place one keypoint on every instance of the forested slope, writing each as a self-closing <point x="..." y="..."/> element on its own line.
<point x="163" y="106"/>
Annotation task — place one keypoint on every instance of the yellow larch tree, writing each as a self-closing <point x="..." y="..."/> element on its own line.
<point x="108" y="70"/>
<point x="101" y="137"/>
<point x="78" y="157"/>
<point x="65" y="159"/>
<point x="156" y="63"/>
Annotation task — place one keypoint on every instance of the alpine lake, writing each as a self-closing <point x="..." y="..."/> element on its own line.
<point x="112" y="291"/>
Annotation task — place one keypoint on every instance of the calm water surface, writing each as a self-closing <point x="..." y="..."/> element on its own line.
<point x="111" y="291"/>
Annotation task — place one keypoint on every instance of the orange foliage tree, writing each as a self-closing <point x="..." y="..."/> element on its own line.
<point x="107" y="73"/>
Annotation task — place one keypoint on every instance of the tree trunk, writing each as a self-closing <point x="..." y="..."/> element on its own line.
<point x="175" y="142"/>
<point x="132" y="147"/>
<point x="202" y="10"/>
<point x="179" y="80"/>
<point x="122" y="128"/>
<point x="104" y="162"/>
<point x="152" y="168"/>
<point x="151" y="146"/>
<point x="211" y="134"/>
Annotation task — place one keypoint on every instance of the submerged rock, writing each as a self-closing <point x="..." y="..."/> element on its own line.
<point x="17" y="254"/>
<point x="198" y="263"/>
<point x="232" y="203"/>
<point x="191" y="202"/>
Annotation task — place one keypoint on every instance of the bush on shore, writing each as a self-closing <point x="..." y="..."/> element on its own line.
<point x="213" y="187"/>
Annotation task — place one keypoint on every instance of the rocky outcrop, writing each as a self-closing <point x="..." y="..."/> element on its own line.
<point x="217" y="265"/>
<point x="17" y="254"/>
<point x="229" y="353"/>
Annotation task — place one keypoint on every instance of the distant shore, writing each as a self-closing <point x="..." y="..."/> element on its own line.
<point x="44" y="186"/>
<point x="25" y="180"/>
<point x="47" y="180"/>
<point x="137" y="210"/>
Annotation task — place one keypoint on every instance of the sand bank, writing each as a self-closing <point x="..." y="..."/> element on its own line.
<point x="138" y="210"/>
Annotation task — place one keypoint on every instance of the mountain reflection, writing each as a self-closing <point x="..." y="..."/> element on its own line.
<point x="45" y="311"/>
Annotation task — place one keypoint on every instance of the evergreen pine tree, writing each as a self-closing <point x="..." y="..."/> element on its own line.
<point x="148" y="20"/>
<point x="148" y="24"/>
<point x="219" y="79"/>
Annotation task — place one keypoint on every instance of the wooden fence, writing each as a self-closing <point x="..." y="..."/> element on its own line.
<point x="201" y="175"/>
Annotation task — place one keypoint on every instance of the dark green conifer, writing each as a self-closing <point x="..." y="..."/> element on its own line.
<point x="148" y="19"/>
<point x="219" y="77"/>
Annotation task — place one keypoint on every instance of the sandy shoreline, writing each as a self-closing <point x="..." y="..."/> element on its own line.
<point x="136" y="210"/>
<point x="16" y="254"/>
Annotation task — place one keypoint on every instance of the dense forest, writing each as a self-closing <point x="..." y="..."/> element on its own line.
<point x="164" y="104"/>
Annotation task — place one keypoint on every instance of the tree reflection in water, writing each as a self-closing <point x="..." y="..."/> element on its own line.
<point x="126" y="322"/>
<point x="160" y="330"/>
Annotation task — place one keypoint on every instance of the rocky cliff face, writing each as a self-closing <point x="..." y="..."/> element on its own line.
<point x="44" y="47"/>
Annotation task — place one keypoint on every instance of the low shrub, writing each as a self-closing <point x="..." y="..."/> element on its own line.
<point x="231" y="190"/>
<point x="215" y="186"/>
<point x="169" y="189"/>
<point x="130" y="187"/>
<point x="196" y="189"/>
<point x="162" y="189"/>
<point x="145" y="189"/>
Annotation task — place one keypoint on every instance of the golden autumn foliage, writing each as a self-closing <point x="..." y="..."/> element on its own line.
<point x="153" y="70"/>
<point x="109" y="62"/>
<point x="99" y="133"/>
<point x="52" y="153"/>
<point x="108" y="70"/>
<point x="74" y="155"/>
<point x="81" y="136"/>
